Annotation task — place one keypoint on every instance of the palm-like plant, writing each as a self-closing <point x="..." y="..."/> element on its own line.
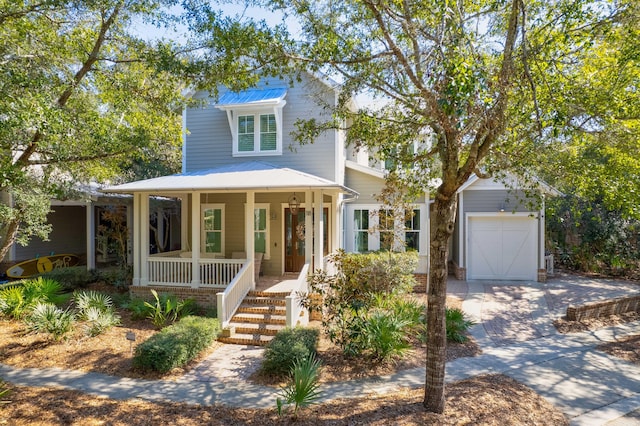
<point x="456" y="324"/>
<point x="303" y="390"/>
<point x="48" y="318"/>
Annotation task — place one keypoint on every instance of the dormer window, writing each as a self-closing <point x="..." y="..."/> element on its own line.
<point x="255" y="120"/>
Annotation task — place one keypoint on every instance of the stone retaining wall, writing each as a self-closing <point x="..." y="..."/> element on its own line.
<point x="604" y="308"/>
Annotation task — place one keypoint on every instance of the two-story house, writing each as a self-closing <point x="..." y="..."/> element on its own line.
<point x="254" y="200"/>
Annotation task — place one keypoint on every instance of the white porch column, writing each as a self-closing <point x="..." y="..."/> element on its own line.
<point x="308" y="226"/>
<point x="249" y="234"/>
<point x="137" y="250"/>
<point x="129" y="233"/>
<point x="335" y="222"/>
<point x="144" y="238"/>
<point x="318" y="230"/>
<point x="91" y="236"/>
<point x="184" y="222"/>
<point x="195" y="240"/>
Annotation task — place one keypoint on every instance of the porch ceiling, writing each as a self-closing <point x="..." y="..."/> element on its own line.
<point x="256" y="176"/>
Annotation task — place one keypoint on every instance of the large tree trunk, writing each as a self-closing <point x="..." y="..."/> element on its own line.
<point x="444" y="214"/>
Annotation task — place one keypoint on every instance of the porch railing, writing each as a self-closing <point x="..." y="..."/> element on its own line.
<point x="295" y="311"/>
<point x="229" y="300"/>
<point x="175" y="269"/>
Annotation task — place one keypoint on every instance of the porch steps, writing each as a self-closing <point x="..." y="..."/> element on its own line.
<point x="260" y="316"/>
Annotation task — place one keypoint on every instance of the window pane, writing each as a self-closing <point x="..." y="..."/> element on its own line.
<point x="245" y="133"/>
<point x="412" y="241"/>
<point x="260" y="219"/>
<point x="261" y="242"/>
<point x="245" y="142"/>
<point x="268" y="123"/>
<point x="362" y="241"/>
<point x="213" y="243"/>
<point x="268" y="132"/>
<point x="268" y="142"/>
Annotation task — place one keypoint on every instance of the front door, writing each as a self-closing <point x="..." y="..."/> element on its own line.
<point x="294" y="233"/>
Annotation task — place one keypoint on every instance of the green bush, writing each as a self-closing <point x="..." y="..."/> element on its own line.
<point x="384" y="336"/>
<point x="139" y="310"/>
<point x="287" y="347"/>
<point x="176" y="345"/>
<point x="167" y="308"/>
<point x="97" y="310"/>
<point x="72" y="278"/>
<point x="120" y="277"/>
<point x="17" y="300"/>
<point x="48" y="318"/>
<point x="456" y="325"/>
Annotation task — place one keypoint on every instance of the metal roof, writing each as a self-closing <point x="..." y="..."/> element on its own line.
<point x="253" y="97"/>
<point x="234" y="177"/>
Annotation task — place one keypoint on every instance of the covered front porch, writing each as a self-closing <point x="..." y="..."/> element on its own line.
<point x="236" y="222"/>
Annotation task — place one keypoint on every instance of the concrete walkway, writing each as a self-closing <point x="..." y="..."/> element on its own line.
<point x="513" y="329"/>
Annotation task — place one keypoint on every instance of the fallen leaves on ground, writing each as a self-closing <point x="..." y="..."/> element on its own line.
<point x="485" y="400"/>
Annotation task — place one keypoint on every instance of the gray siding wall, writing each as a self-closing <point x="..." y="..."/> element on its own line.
<point x="492" y="200"/>
<point x="209" y="141"/>
<point x="69" y="234"/>
<point x="367" y="186"/>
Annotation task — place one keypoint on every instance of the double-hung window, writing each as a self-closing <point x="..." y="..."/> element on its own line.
<point x="412" y="230"/>
<point x="261" y="229"/>
<point x="361" y="230"/>
<point x="213" y="228"/>
<point x="261" y="139"/>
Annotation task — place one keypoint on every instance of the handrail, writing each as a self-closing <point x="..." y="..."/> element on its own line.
<point x="230" y="299"/>
<point x="296" y="313"/>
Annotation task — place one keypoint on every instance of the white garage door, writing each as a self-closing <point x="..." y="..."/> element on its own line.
<point x="502" y="248"/>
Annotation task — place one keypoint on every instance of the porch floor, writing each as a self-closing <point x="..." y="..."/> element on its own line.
<point x="277" y="284"/>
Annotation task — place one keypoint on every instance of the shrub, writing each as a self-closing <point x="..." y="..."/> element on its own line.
<point x="177" y="344"/>
<point x="98" y="321"/>
<point x="73" y="277"/>
<point x="19" y="299"/>
<point x="120" y="277"/>
<point x="287" y="347"/>
<point x="167" y="308"/>
<point x="384" y="335"/>
<point x="303" y="387"/>
<point x="48" y="318"/>
<point x="97" y="310"/>
<point x="138" y="308"/>
<point x="456" y="325"/>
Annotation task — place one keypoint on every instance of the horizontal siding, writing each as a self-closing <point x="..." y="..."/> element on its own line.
<point x="67" y="236"/>
<point x="367" y="186"/>
<point x="493" y="200"/>
<point x="209" y="142"/>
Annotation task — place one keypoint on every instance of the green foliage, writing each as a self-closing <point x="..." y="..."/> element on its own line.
<point x="383" y="335"/>
<point x="17" y="300"/>
<point x="368" y="313"/>
<point x="167" y="308"/>
<point x="138" y="307"/>
<point x="456" y="325"/>
<point x="287" y="347"/>
<point x="72" y="278"/>
<point x="303" y="389"/>
<point x="586" y="236"/>
<point x="176" y="345"/>
<point x="97" y="310"/>
<point x="120" y="277"/>
<point x="49" y="319"/>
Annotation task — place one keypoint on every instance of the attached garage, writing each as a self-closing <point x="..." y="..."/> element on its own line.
<point x="502" y="247"/>
<point x="499" y="233"/>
